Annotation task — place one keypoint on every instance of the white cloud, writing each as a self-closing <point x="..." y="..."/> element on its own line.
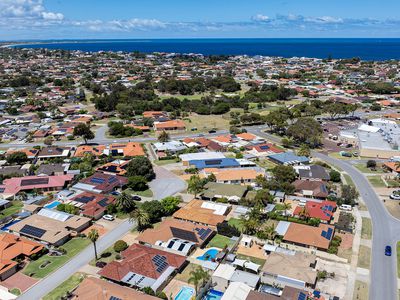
<point x="324" y="20"/>
<point x="52" y="16"/>
<point x="260" y="18"/>
<point x="20" y="10"/>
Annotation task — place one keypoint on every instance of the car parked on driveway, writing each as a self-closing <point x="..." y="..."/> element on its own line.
<point x="395" y="195"/>
<point x="108" y="217"/>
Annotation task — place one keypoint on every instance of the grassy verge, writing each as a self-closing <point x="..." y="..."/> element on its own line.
<point x="256" y="260"/>
<point x="37" y="269"/>
<point x="376" y="181"/>
<point x="366" y="230"/>
<point x="360" y="290"/>
<point x="348" y="179"/>
<point x="147" y="193"/>
<point x="364" y="257"/>
<point x="219" y="241"/>
<point x="363" y="168"/>
<point x="104" y="257"/>
<point x="398" y="259"/>
<point x="68" y="285"/>
<point x="164" y="162"/>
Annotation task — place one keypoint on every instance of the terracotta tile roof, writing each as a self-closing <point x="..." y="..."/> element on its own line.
<point x="246" y="136"/>
<point x="172" y="124"/>
<point x="322" y="210"/>
<point x="98" y="289"/>
<point x="223" y="138"/>
<point x="227" y="175"/>
<point x="95" y="204"/>
<point x="308" y="235"/>
<point x="317" y="187"/>
<point x="392" y="166"/>
<point x="30" y="152"/>
<point x="165" y="231"/>
<point x="193" y="212"/>
<point x="138" y="259"/>
<point x="153" y="114"/>
<point x="12" y="246"/>
<point x="104" y="182"/>
<point x="85" y="149"/>
<point x="130" y="149"/>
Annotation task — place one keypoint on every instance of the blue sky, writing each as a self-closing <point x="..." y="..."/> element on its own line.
<point x="57" y="19"/>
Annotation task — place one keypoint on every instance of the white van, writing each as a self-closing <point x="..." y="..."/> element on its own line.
<point x="346" y="207"/>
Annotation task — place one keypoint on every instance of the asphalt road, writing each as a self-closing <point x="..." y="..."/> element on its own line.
<point x="166" y="183"/>
<point x="43" y="287"/>
<point x="386" y="228"/>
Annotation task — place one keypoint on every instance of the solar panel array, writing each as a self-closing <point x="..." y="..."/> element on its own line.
<point x="184" y="234"/>
<point x="327" y="234"/>
<point x="160" y="262"/>
<point x="33" y="231"/>
<point x="97" y="180"/>
<point x="203" y="233"/>
<point x="302" y="296"/>
<point x="114" y="298"/>
<point x="103" y="202"/>
<point x="25" y="182"/>
<point x="213" y="162"/>
<point x="264" y="147"/>
<point x="84" y="199"/>
<point x="112" y="179"/>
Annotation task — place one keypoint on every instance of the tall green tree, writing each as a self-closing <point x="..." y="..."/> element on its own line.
<point x="195" y="185"/>
<point x="125" y="203"/>
<point x="83" y="130"/>
<point x="163" y="137"/>
<point x="93" y="236"/>
<point x="198" y="277"/>
<point x="141" y="218"/>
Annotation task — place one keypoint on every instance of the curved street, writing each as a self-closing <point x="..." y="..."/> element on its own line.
<point x="386" y="228"/>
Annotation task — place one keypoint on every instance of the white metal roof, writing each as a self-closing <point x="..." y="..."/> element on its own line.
<point x="236" y="291"/>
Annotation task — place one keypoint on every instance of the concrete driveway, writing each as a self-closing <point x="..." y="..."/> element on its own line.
<point x="166" y="183"/>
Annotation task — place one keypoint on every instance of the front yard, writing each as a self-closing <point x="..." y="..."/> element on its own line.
<point x="46" y="264"/>
<point x="67" y="286"/>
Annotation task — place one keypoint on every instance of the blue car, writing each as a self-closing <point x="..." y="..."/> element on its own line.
<point x="388" y="251"/>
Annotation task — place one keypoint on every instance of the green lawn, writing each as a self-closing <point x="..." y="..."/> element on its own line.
<point x="364" y="257"/>
<point x="73" y="247"/>
<point x="219" y="241"/>
<point x="256" y="260"/>
<point x="376" y="181"/>
<point x="265" y="163"/>
<point x="147" y="193"/>
<point x="68" y="285"/>
<point x="204" y="123"/>
<point x="366" y="230"/>
<point x="398" y="259"/>
<point x="348" y="179"/>
<point x="105" y="259"/>
<point x="363" y="168"/>
<point x="236" y="223"/>
<point x="164" y="162"/>
<point x="13" y="209"/>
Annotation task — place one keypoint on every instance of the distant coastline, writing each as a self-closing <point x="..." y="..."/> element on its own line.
<point x="366" y="49"/>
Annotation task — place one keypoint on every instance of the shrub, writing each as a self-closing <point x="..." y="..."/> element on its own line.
<point x="120" y="246"/>
<point x="105" y="254"/>
<point x="227" y="230"/>
<point x="335" y="176"/>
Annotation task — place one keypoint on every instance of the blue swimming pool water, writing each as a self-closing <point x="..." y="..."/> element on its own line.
<point x="213" y="295"/>
<point x="8" y="225"/>
<point x="186" y="293"/>
<point x="209" y="255"/>
<point x="53" y="204"/>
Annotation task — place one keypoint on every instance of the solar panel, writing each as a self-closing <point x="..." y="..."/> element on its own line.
<point x="114" y="152"/>
<point x="302" y="296"/>
<point x="264" y="147"/>
<point x="85" y="199"/>
<point x="114" y="298"/>
<point x="184" y="234"/>
<point x="213" y="162"/>
<point x="323" y="233"/>
<point x="112" y="179"/>
<point x="329" y="233"/>
<point x="160" y="263"/>
<point x="25" y="182"/>
<point x="33" y="231"/>
<point x="205" y="233"/>
<point x="103" y="202"/>
<point x="97" y="180"/>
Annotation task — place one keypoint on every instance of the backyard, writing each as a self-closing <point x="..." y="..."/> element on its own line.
<point x="185" y="275"/>
<point x="46" y="264"/>
<point x="256" y="260"/>
<point x="15" y="207"/>
<point x="219" y="241"/>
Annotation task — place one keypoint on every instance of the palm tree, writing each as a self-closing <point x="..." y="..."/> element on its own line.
<point x="124" y="202"/>
<point x="141" y="218"/>
<point x="270" y="232"/>
<point x="94" y="236"/>
<point x="303" y="213"/>
<point x="163" y="137"/>
<point x="198" y="277"/>
<point x="285" y="208"/>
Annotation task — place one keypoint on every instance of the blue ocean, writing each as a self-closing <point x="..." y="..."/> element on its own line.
<point x="366" y="49"/>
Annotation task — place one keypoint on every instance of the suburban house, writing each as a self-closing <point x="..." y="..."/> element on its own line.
<point x="322" y="210"/>
<point x="307" y="236"/>
<point x="202" y="143"/>
<point x="236" y="176"/>
<point x="168" y="148"/>
<point x="116" y="167"/>
<point x="225" y="274"/>
<point x="180" y="237"/>
<point x="295" y="270"/>
<point x="98" y="289"/>
<point x="53" y="152"/>
<point x="203" y="212"/>
<point x="214" y="190"/>
<point x="50" y="226"/>
<point x="101" y="183"/>
<point x="263" y="150"/>
<point x="311" y="188"/>
<point x="12" y="186"/>
<point x="172" y="125"/>
<point x="130" y="149"/>
<point x="289" y="159"/>
<point x="143" y="266"/>
<point x="31" y="153"/>
<point x="155" y="115"/>
<point x="83" y="150"/>
<point x="52" y="169"/>
<point x="92" y="205"/>
<point x="313" y="172"/>
<point x="13" y="248"/>
<point x="200" y="156"/>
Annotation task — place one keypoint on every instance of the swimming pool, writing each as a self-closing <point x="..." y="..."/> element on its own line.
<point x="186" y="293"/>
<point x="213" y="295"/>
<point x="53" y="204"/>
<point x="8" y="225"/>
<point x="209" y="255"/>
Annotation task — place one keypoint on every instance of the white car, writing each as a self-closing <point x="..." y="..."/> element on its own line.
<point x="108" y="217"/>
<point x="395" y="195"/>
